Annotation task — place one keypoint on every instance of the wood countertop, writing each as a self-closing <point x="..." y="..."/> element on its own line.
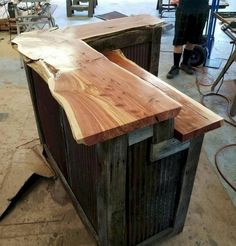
<point x="193" y="120"/>
<point x="101" y="99"/>
<point x="93" y="30"/>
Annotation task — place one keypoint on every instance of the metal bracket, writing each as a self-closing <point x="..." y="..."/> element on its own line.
<point x="167" y="148"/>
<point x="140" y="135"/>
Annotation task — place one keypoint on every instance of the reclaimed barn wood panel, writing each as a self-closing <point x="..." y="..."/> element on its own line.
<point x="194" y="119"/>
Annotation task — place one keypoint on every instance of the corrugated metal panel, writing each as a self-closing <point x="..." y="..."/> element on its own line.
<point x="83" y="173"/>
<point x="153" y="192"/>
<point x="140" y="54"/>
<point x="77" y="162"/>
<point x="49" y="115"/>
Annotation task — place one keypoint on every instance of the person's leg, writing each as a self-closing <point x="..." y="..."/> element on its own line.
<point x="187" y="53"/>
<point x="178" y="42"/>
<point x="185" y="66"/>
<point x="178" y="49"/>
<point x="195" y="28"/>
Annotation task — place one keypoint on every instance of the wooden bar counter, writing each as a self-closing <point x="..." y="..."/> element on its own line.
<point x="120" y="139"/>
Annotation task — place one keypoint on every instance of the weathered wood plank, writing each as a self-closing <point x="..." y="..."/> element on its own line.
<point x="163" y="131"/>
<point x="121" y="40"/>
<point x="167" y="148"/>
<point x="140" y="134"/>
<point x="155" y="50"/>
<point x="189" y="173"/>
<point x="193" y="120"/>
<point x="111" y="197"/>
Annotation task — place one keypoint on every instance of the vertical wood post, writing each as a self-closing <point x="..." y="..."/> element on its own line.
<point x="163" y="130"/>
<point x="90" y="8"/>
<point x="189" y="173"/>
<point x="68" y="8"/>
<point x="155" y="50"/>
<point x="233" y="107"/>
<point x="112" y="157"/>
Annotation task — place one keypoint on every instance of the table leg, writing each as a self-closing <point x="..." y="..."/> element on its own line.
<point x="112" y="157"/>
<point x="233" y="107"/>
<point x="231" y="59"/>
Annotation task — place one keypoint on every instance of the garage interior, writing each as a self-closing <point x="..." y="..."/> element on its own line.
<point x="43" y="213"/>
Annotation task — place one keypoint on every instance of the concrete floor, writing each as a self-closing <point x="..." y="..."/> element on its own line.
<point x="45" y="215"/>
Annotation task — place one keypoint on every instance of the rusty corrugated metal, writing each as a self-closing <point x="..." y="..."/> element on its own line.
<point x="153" y="192"/>
<point x="49" y="116"/>
<point x="83" y="172"/>
<point x="77" y="162"/>
<point x="140" y="54"/>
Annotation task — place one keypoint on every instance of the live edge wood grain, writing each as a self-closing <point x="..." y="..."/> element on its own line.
<point x="92" y="31"/>
<point x="101" y="100"/>
<point x="193" y="120"/>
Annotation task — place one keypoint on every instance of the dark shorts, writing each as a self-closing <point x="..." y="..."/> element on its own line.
<point x="189" y="27"/>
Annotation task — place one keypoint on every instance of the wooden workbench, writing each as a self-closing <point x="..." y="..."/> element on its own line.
<point x="110" y="132"/>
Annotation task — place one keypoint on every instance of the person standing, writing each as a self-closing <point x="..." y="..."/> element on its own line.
<point x="191" y="16"/>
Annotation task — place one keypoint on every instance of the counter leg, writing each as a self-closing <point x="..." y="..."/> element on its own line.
<point x="155" y="50"/>
<point x="233" y="107"/>
<point x="112" y="158"/>
<point x="189" y="173"/>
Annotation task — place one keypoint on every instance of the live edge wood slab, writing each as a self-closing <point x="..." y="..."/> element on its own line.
<point x="101" y="100"/>
<point x="125" y="144"/>
<point x="193" y="120"/>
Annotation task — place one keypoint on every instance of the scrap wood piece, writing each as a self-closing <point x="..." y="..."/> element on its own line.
<point x="27" y="161"/>
<point x="194" y="119"/>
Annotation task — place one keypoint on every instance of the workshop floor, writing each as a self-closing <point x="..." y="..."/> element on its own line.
<point x="45" y="215"/>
